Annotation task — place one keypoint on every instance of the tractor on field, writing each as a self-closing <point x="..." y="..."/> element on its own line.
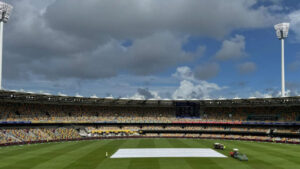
<point x="236" y="154"/>
<point x="219" y="146"/>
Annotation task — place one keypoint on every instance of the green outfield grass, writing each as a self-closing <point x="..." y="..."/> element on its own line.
<point x="91" y="155"/>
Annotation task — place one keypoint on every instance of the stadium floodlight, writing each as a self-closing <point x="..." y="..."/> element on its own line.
<point x="282" y="31"/>
<point x="5" y="10"/>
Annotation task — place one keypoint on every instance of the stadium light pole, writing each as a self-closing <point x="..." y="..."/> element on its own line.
<point x="282" y="31"/>
<point x="5" y="10"/>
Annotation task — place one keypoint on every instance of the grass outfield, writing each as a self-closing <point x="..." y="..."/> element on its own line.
<point x="91" y="155"/>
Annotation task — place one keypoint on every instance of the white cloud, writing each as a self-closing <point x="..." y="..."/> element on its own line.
<point x="61" y="94"/>
<point x="276" y="7"/>
<point x="201" y="72"/>
<point x="206" y="71"/>
<point x="143" y="17"/>
<point x="246" y="68"/>
<point x="53" y="38"/>
<point x="148" y="55"/>
<point x="272" y="94"/>
<point x="191" y="87"/>
<point x="70" y="40"/>
<point x="78" y="95"/>
<point x="275" y="93"/>
<point x="184" y="73"/>
<point x="200" y="90"/>
<point x="294" y="18"/>
<point x="232" y="49"/>
<point x="145" y="94"/>
<point x="258" y="94"/>
<point x="155" y="53"/>
<point x="94" y="96"/>
<point x="292" y="92"/>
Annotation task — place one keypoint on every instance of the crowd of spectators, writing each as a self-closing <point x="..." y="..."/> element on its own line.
<point x="32" y="134"/>
<point x="223" y="136"/>
<point x="74" y="113"/>
<point x="221" y="128"/>
<point x="194" y="131"/>
<point x="42" y="113"/>
<point x="12" y="135"/>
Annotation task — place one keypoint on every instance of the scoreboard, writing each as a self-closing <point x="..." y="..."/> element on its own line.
<point x="187" y="109"/>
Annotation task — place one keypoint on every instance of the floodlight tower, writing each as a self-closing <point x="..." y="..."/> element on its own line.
<point x="5" y="10"/>
<point x="282" y="31"/>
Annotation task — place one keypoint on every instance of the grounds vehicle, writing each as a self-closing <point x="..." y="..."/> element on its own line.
<point x="219" y="146"/>
<point x="236" y="154"/>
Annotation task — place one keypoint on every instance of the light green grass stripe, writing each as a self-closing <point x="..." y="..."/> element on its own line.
<point x="69" y="157"/>
<point x="7" y="149"/>
<point x="280" y="158"/>
<point x="80" y="155"/>
<point x="118" y="163"/>
<point x="43" y="156"/>
<point x="27" y="152"/>
<point x="23" y="149"/>
<point x="170" y="163"/>
<point x="95" y="157"/>
<point x="221" y="162"/>
<point x="281" y="148"/>
<point x="256" y="159"/>
<point x="194" y="162"/>
<point x="144" y="163"/>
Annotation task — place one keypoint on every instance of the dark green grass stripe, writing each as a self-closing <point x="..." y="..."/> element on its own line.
<point x="176" y="143"/>
<point x="203" y="142"/>
<point x="145" y="163"/>
<point x="131" y="143"/>
<point x="95" y="157"/>
<point x="289" y="147"/>
<point x="119" y="163"/>
<point x="170" y="163"/>
<point x="43" y="157"/>
<point x="194" y="162"/>
<point x="281" y="154"/>
<point x="257" y="160"/>
<point x="278" y="149"/>
<point x="23" y="149"/>
<point x="67" y="158"/>
<point x="162" y="143"/>
<point x="221" y="162"/>
<point x="261" y="155"/>
<point x="27" y="152"/>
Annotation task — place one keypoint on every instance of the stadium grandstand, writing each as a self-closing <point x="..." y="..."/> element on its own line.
<point x="165" y="54"/>
<point x="32" y="118"/>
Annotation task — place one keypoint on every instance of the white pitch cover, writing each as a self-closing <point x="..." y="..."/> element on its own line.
<point x="166" y="152"/>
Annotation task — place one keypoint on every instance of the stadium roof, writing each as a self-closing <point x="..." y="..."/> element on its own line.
<point x="22" y="97"/>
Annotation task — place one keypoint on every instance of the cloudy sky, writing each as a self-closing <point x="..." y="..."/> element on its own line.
<point x="151" y="49"/>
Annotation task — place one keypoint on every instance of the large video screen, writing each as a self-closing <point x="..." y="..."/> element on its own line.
<point x="187" y="110"/>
